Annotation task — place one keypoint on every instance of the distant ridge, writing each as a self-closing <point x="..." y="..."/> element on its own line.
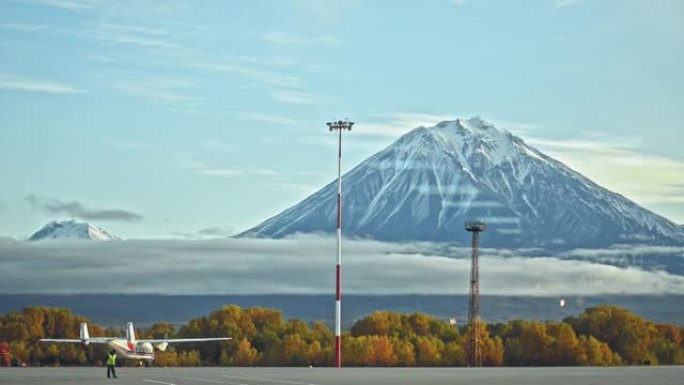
<point x="71" y="230"/>
<point x="427" y="183"/>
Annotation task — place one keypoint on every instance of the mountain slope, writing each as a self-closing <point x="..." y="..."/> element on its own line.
<point x="71" y="230"/>
<point x="428" y="182"/>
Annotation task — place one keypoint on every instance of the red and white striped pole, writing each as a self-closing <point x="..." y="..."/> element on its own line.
<point x="339" y="126"/>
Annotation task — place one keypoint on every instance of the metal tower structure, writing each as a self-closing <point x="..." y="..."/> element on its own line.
<point x="474" y="332"/>
<point x="339" y="126"/>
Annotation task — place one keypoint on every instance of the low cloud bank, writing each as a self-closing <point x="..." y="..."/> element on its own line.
<point x="305" y="265"/>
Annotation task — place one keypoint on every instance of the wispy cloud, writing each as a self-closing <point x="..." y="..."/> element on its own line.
<point x="324" y="12"/>
<point x="565" y="3"/>
<point x="288" y="38"/>
<point x="394" y="125"/>
<point x="165" y="42"/>
<point x="218" y="231"/>
<point x="170" y="93"/>
<point x="202" y="168"/>
<point x="102" y="58"/>
<point x="207" y="233"/>
<point x="139" y="36"/>
<point x="230" y="173"/>
<point x="120" y="144"/>
<point x="188" y="163"/>
<point x="71" y="5"/>
<point x="237" y="68"/>
<point x="235" y="172"/>
<point x="518" y="128"/>
<point x="296" y="97"/>
<point x="397" y="124"/>
<point x="294" y="265"/>
<point x="19" y="83"/>
<point x="620" y="167"/>
<point x="77" y="209"/>
<point x="23" y="27"/>
<point x="269" y="118"/>
<point x="304" y="189"/>
<point x="217" y="145"/>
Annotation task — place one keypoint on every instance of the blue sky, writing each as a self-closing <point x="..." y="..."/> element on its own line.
<point x="191" y="118"/>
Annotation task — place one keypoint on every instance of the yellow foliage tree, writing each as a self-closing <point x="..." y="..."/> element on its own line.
<point x="246" y="355"/>
<point x="382" y="351"/>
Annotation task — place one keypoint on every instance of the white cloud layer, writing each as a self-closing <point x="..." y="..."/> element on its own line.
<point x="303" y="264"/>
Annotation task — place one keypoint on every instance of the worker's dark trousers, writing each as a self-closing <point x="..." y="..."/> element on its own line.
<point x="111" y="368"/>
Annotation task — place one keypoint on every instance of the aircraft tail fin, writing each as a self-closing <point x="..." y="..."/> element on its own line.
<point x="84" y="332"/>
<point x="130" y="332"/>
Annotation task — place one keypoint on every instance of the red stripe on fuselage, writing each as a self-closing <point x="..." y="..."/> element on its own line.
<point x="130" y="353"/>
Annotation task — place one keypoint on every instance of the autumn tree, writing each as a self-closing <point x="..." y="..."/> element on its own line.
<point x="405" y="352"/>
<point x="630" y="336"/>
<point x="600" y="336"/>
<point x="246" y="355"/>
<point x="565" y="346"/>
<point x="160" y="330"/>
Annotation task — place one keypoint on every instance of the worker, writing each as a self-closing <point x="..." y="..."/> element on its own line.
<point x="111" y="362"/>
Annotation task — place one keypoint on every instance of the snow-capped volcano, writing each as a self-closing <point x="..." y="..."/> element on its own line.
<point x="429" y="181"/>
<point x="71" y="230"/>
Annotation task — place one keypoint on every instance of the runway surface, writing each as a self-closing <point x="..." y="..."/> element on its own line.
<point x="331" y="376"/>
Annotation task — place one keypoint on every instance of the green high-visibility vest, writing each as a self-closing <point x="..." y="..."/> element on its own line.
<point x="111" y="359"/>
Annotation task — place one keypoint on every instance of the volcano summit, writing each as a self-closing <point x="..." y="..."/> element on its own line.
<point x="427" y="183"/>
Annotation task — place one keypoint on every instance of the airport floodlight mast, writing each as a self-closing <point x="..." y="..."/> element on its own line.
<point x="339" y="126"/>
<point x="474" y="333"/>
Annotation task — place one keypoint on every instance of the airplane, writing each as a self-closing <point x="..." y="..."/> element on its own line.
<point x="130" y="347"/>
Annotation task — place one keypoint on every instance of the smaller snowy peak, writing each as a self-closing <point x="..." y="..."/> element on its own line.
<point x="71" y="230"/>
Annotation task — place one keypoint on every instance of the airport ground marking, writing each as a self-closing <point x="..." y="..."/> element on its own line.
<point x="269" y="380"/>
<point x="158" y="382"/>
<point x="203" y="380"/>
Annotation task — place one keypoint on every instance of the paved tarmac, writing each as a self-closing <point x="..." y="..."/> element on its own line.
<point x="331" y="376"/>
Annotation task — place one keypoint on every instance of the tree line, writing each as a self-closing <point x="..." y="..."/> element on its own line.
<point x="600" y="336"/>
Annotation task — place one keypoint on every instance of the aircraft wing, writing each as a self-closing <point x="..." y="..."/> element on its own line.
<point x="97" y="340"/>
<point x="180" y="340"/>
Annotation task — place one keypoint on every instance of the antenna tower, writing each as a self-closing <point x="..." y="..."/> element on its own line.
<point x="474" y="333"/>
